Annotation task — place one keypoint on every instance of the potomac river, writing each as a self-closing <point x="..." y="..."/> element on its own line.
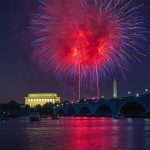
<point x="75" y="133"/>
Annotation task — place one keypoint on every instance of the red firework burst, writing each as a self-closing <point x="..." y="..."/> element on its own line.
<point x="87" y="37"/>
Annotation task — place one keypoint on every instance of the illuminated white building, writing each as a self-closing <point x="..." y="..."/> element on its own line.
<point x="35" y="99"/>
<point x="115" y="95"/>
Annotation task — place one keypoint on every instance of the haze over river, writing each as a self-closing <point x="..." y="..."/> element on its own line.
<point x="75" y="133"/>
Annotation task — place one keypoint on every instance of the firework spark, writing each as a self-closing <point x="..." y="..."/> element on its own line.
<point x="87" y="39"/>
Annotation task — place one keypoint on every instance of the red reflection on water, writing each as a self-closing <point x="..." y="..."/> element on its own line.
<point x="91" y="134"/>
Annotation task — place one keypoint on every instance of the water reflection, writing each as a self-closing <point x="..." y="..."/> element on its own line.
<point x="75" y="134"/>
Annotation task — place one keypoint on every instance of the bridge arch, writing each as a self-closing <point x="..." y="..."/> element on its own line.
<point x="104" y="110"/>
<point x="71" y="111"/>
<point x="85" y="111"/>
<point x="61" y="112"/>
<point x="132" y="109"/>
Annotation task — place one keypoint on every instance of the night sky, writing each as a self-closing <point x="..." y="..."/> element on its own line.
<point x="19" y="75"/>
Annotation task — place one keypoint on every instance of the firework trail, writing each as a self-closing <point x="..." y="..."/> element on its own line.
<point x="87" y="39"/>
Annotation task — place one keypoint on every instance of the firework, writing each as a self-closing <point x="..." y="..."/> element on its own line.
<point x="87" y="39"/>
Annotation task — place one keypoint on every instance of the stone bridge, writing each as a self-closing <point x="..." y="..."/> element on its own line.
<point x="128" y="106"/>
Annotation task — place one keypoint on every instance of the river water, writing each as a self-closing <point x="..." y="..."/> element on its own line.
<point x="79" y="133"/>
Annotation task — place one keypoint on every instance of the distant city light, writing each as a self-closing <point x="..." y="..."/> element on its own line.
<point x="103" y="96"/>
<point x="137" y="95"/>
<point x="129" y="93"/>
<point x="146" y="90"/>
